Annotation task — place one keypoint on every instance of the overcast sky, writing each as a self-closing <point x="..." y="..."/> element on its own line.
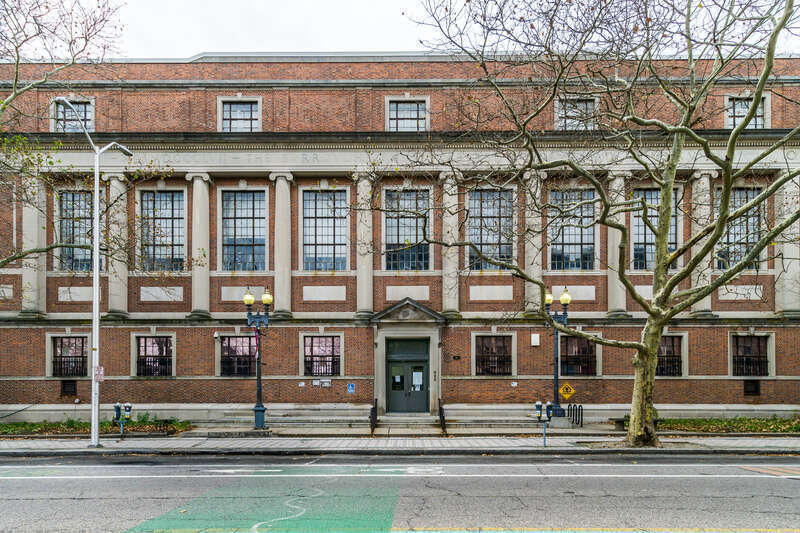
<point x="183" y="28"/>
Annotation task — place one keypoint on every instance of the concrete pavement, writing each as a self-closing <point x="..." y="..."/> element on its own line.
<point x="571" y="444"/>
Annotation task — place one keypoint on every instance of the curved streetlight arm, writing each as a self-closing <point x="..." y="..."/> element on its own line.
<point x="98" y="151"/>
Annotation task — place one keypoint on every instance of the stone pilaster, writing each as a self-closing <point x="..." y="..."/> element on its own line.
<point x="450" y="307"/>
<point x="617" y="296"/>
<point x="34" y="267"/>
<point x="787" y="263"/>
<point x="118" y="245"/>
<point x="364" y="248"/>
<point x="701" y="216"/>
<point x="534" y="248"/>
<point x="283" y="246"/>
<point x="201" y="276"/>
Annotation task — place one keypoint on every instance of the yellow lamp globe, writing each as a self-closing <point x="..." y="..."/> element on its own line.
<point x="266" y="298"/>
<point x="548" y="298"/>
<point x="565" y="298"/>
<point x="248" y="298"/>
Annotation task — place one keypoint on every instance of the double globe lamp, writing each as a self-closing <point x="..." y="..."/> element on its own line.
<point x="560" y="318"/>
<point x="255" y="321"/>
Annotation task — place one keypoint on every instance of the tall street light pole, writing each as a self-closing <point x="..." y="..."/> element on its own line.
<point x="95" y="436"/>
<point x="255" y="321"/>
<point x="559" y="318"/>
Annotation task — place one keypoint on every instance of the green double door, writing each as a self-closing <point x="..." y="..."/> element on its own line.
<point x="407" y="375"/>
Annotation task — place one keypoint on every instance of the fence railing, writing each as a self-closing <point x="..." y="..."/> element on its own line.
<point x="238" y="365"/>
<point x="65" y="367"/>
<point x="154" y="365"/>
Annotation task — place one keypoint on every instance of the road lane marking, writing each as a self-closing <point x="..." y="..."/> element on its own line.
<point x="395" y="475"/>
<point x="387" y="465"/>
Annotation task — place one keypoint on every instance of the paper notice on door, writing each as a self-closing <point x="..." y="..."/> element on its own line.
<point x="417" y="379"/>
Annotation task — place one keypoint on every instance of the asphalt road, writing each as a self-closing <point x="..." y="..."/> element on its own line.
<point x="352" y="493"/>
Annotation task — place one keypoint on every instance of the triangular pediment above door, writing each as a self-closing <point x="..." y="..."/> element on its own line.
<point x="408" y="310"/>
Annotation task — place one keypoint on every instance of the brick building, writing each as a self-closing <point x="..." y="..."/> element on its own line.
<point x="262" y="154"/>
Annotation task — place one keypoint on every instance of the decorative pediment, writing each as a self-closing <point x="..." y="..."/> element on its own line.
<point x="408" y="310"/>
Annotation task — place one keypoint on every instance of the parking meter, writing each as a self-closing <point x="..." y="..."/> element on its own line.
<point x="117" y="412"/>
<point x="539" y="410"/>
<point x="549" y="409"/>
<point x="128" y="407"/>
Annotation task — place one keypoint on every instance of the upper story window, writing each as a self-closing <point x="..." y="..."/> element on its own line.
<point x="154" y="356"/>
<point x="238" y="356"/>
<point x="69" y="356"/>
<point x="493" y="355"/>
<point x="163" y="232"/>
<point x="575" y="114"/>
<point x="742" y="234"/>
<point x="490" y="227"/>
<point x="407" y="115"/>
<point x="66" y="120"/>
<point x="571" y="230"/>
<point x="243" y="232"/>
<point x="406" y="217"/>
<point x="239" y="115"/>
<point x="322" y="355"/>
<point x="75" y="226"/>
<point x="325" y="232"/>
<point x="669" y="356"/>
<point x="738" y="108"/>
<point x="750" y="355"/>
<point x="577" y="357"/>
<point x="644" y="240"/>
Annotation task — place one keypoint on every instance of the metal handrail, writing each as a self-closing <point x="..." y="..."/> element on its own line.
<point x="442" y="421"/>
<point x="373" y="417"/>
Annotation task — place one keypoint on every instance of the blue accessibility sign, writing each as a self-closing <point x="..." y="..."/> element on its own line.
<point x="351" y="388"/>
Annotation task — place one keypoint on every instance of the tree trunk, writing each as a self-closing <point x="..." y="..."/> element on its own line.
<point x="642" y="425"/>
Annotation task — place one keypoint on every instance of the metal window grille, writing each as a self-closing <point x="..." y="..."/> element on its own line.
<point x="750" y="355"/>
<point x="163" y="230"/>
<point x="69" y="356"/>
<point x="239" y="116"/>
<point x="738" y="108"/>
<point x="407" y="115"/>
<point x="493" y="355"/>
<point x="324" y="230"/>
<point x="75" y="225"/>
<point x="669" y="356"/>
<point x="69" y="387"/>
<point x="154" y="356"/>
<point x="751" y="387"/>
<point x="238" y="356"/>
<point x="577" y="357"/>
<point x="490" y="227"/>
<point x="571" y="230"/>
<point x="67" y="121"/>
<point x="644" y="240"/>
<point x="576" y="114"/>
<point x="243" y="230"/>
<point x="406" y="218"/>
<point x="742" y="234"/>
<point x="322" y="355"/>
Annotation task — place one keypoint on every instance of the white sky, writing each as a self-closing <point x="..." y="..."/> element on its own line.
<point x="183" y="28"/>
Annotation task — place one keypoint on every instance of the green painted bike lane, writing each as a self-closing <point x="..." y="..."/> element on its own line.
<point x="287" y="500"/>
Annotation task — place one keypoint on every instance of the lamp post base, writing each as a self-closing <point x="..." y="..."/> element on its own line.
<point x="558" y="411"/>
<point x="258" y="412"/>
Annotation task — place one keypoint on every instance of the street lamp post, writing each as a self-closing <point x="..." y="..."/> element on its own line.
<point x="559" y="318"/>
<point x="95" y="435"/>
<point x="255" y="321"/>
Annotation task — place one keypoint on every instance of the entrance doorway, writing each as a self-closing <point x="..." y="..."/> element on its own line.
<point x="407" y="375"/>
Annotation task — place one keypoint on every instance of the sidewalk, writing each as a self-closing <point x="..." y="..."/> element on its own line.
<point x="573" y="445"/>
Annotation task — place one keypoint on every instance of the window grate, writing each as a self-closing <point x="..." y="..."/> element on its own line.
<point x="493" y="355"/>
<point x="238" y="356"/>
<point x="322" y="355"/>
<point x="750" y="355"/>
<point x="69" y="356"/>
<point x="669" y="356"/>
<point x="577" y="357"/>
<point x="69" y="387"/>
<point x="154" y="356"/>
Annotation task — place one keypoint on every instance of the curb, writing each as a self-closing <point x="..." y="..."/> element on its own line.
<point x="405" y="452"/>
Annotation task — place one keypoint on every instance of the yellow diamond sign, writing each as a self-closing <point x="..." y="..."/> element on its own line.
<point x="566" y="391"/>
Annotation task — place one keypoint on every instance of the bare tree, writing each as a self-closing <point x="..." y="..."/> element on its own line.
<point x="635" y="89"/>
